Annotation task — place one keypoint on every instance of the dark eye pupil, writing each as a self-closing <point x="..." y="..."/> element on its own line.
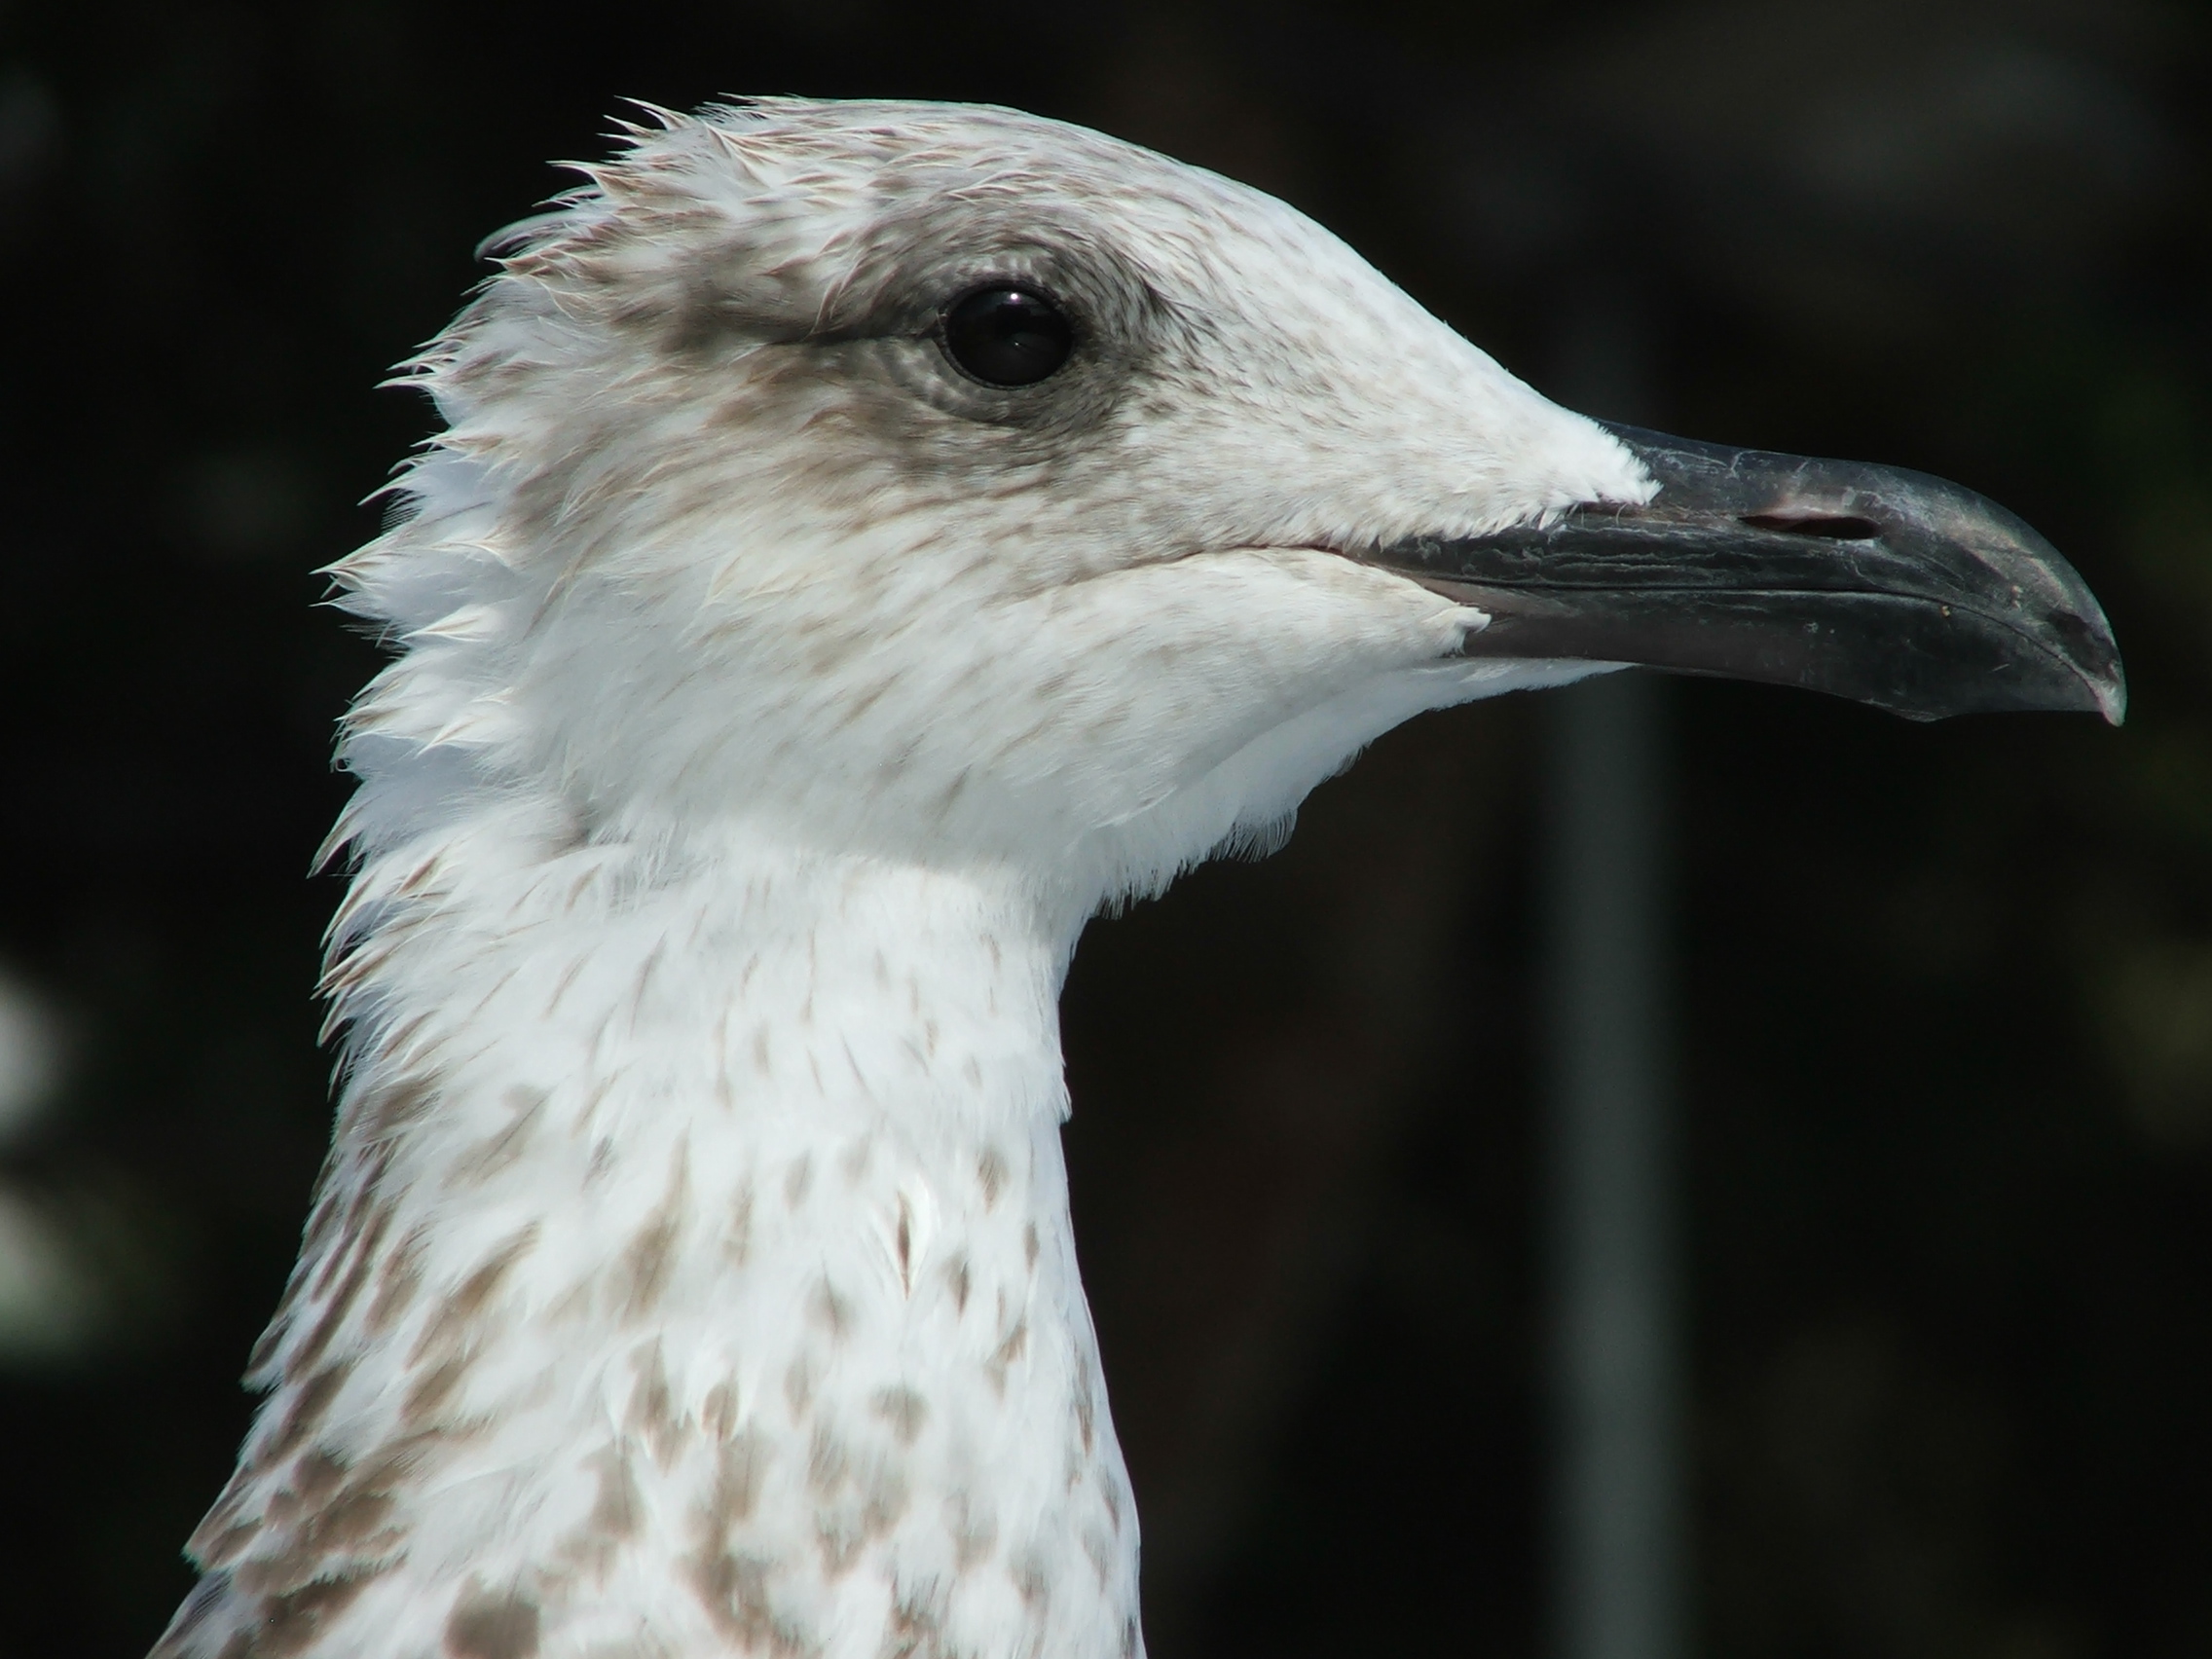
<point x="1008" y="336"/>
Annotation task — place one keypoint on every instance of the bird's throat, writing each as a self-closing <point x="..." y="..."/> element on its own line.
<point x="692" y="1265"/>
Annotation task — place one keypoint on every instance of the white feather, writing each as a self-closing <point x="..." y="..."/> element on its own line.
<point x="693" y="1274"/>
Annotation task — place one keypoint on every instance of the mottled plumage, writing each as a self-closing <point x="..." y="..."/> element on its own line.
<point x="772" y="704"/>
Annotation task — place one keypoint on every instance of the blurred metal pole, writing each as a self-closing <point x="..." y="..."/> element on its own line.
<point x="1617" y="1494"/>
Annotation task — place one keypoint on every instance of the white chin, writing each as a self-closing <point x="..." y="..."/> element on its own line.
<point x="1494" y="676"/>
<point x="1261" y="785"/>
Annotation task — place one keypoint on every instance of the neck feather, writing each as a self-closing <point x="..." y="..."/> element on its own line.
<point x="692" y="1269"/>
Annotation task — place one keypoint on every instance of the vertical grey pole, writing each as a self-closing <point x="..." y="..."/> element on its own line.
<point x="1617" y="1497"/>
<point x="1617" y="1492"/>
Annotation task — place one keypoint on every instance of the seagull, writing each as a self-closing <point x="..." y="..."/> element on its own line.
<point x="866" y="539"/>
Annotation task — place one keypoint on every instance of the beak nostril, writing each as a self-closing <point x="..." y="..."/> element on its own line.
<point x="1829" y="527"/>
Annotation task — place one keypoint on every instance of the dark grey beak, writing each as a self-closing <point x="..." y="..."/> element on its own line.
<point x="1869" y="583"/>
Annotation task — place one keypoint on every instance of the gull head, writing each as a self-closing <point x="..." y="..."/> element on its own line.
<point x="950" y="484"/>
<point x="863" y="539"/>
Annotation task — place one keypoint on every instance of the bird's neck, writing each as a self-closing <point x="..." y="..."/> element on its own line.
<point x="693" y="1269"/>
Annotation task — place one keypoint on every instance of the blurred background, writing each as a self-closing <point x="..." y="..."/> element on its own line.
<point x="1941" y="1050"/>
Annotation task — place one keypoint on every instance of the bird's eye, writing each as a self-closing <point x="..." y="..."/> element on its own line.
<point x="1007" y="336"/>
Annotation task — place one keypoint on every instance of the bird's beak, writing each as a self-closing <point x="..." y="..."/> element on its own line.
<point x="1883" y="586"/>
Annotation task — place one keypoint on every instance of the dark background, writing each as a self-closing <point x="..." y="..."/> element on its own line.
<point x="1946" y="992"/>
